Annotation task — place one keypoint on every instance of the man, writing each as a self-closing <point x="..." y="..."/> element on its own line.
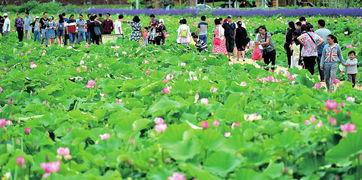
<point x="27" y="27"/>
<point x="6" y="26"/>
<point x="108" y="24"/>
<point x="323" y="33"/>
<point x="203" y="29"/>
<point x="81" y="25"/>
<point x="71" y="29"/>
<point x="19" y="25"/>
<point x="229" y="33"/>
<point x="43" y="24"/>
<point x="2" y="19"/>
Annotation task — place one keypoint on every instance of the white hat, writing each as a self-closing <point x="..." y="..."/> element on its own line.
<point x="162" y="21"/>
<point x="5" y="14"/>
<point x="36" y="17"/>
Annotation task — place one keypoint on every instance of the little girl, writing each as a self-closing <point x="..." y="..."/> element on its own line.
<point x="331" y="56"/>
<point x="295" y="55"/>
<point x="351" y="67"/>
<point x="145" y="35"/>
<point x="183" y="33"/>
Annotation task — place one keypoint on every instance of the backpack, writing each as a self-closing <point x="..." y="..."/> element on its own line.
<point x="97" y="30"/>
<point x="183" y="33"/>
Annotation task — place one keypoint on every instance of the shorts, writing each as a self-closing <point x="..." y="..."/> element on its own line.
<point x="60" y="32"/>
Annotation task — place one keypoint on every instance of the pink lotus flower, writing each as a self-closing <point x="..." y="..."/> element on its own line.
<point x="312" y="118"/>
<point x="64" y="152"/>
<point x="160" y="127"/>
<point x="332" y="121"/>
<point x="204" y="124"/>
<point x="317" y="86"/>
<point x="105" y="136"/>
<point x="33" y="65"/>
<point x="90" y="84"/>
<point x="50" y="167"/>
<point x="350" y="99"/>
<point x="349" y="46"/>
<point x="291" y="77"/>
<point x="177" y="176"/>
<point x="320" y="124"/>
<point x="307" y="122"/>
<point x="331" y="105"/>
<point x="159" y="120"/>
<point x="235" y="124"/>
<point x="27" y="131"/>
<point x="20" y="161"/>
<point x="147" y="72"/>
<point x="216" y="123"/>
<point x="227" y="134"/>
<point x="166" y="90"/>
<point x="348" y="128"/>
<point x="4" y="122"/>
<point x="204" y="101"/>
<point x="336" y="81"/>
<point x="268" y="79"/>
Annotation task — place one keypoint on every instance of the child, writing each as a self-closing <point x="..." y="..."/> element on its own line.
<point x="331" y="56"/>
<point x="295" y="55"/>
<point x="183" y="33"/>
<point x="118" y="26"/>
<point x="202" y="29"/>
<point x="145" y="35"/>
<point x="351" y="67"/>
<point x="200" y="44"/>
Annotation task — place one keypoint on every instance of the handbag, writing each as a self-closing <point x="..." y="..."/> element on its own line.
<point x="256" y="55"/>
<point x="217" y="41"/>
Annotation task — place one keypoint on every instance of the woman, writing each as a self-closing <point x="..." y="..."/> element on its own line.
<point x="95" y="29"/>
<point x="264" y="39"/>
<point x="310" y="42"/>
<point x="160" y="33"/>
<point x="241" y="40"/>
<point x="229" y="32"/>
<point x="136" y="29"/>
<point x="288" y="41"/>
<point x="19" y="25"/>
<point x="218" y="46"/>
<point x="51" y="27"/>
<point x="183" y="33"/>
<point x="331" y="56"/>
<point x="60" y="29"/>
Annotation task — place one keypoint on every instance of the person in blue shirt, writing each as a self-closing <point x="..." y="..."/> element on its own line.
<point x="81" y="25"/>
<point x="203" y="29"/>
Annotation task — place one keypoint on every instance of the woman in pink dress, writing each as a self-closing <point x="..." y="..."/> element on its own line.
<point x="218" y="44"/>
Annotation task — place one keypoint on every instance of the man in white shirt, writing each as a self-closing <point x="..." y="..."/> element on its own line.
<point x="6" y="26"/>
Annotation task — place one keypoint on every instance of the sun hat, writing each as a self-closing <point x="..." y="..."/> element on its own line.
<point x="5" y="14"/>
<point x="230" y="16"/>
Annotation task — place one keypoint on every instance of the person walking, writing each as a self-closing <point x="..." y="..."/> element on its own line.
<point x="108" y="25"/>
<point x="183" y="33"/>
<point x="19" y="25"/>
<point x="61" y="29"/>
<point x="36" y="29"/>
<point x="118" y="26"/>
<point x="160" y="33"/>
<point x="229" y="32"/>
<point x="81" y="26"/>
<point x="241" y="40"/>
<point x="309" y="41"/>
<point x="27" y="27"/>
<point x="51" y="27"/>
<point x="264" y="39"/>
<point x="6" y="26"/>
<point x="219" y="43"/>
<point x="136" y="29"/>
<point x="288" y="42"/>
<point x="71" y="29"/>
<point x="43" y="22"/>
<point x="202" y="29"/>
<point x="323" y="33"/>
<point x="331" y="56"/>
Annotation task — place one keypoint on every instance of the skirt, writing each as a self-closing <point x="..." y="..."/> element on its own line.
<point x="50" y="34"/>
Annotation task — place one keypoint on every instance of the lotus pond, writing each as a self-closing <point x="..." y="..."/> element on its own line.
<point x="121" y="111"/>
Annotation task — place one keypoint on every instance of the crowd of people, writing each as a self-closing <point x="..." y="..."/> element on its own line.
<point x="303" y="45"/>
